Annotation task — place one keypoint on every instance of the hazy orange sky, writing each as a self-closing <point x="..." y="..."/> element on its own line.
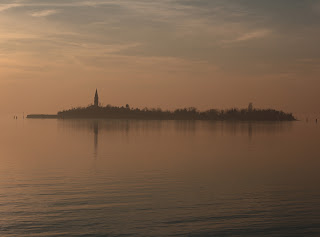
<point x="165" y="53"/>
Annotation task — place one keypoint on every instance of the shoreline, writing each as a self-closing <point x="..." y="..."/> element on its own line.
<point x="50" y="116"/>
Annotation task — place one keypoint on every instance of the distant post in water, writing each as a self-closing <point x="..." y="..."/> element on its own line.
<point x="96" y="99"/>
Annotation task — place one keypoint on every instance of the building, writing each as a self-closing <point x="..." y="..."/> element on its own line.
<point x="96" y="99"/>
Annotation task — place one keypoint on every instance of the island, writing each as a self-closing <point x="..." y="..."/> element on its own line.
<point x="42" y="116"/>
<point x="97" y="111"/>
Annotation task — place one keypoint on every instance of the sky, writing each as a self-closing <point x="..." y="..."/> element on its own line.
<point x="165" y="53"/>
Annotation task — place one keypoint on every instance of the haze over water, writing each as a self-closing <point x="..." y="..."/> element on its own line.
<point x="124" y="177"/>
<point x="163" y="178"/>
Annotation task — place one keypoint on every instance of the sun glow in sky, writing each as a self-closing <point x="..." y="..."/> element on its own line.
<point x="165" y="53"/>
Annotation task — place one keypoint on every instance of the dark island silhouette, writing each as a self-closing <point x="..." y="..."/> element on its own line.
<point x="97" y="111"/>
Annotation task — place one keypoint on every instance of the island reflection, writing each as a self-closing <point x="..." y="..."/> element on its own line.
<point x="140" y="127"/>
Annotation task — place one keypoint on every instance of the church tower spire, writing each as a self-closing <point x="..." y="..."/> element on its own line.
<point x="96" y="99"/>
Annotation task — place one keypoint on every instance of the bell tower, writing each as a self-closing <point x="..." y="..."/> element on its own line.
<point x="96" y="99"/>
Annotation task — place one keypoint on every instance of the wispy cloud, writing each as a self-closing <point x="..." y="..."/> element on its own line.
<point x="165" y="28"/>
<point x="257" y="34"/>
<point x="4" y="7"/>
<point x="254" y="35"/>
<point x="44" y="13"/>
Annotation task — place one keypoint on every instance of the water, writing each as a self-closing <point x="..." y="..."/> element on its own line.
<point x="158" y="178"/>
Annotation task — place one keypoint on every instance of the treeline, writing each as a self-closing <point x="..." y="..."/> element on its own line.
<point x="179" y="114"/>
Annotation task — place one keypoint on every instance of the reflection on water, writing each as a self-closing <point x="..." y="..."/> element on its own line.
<point x="179" y="126"/>
<point x="158" y="178"/>
<point x="96" y="132"/>
<point x="185" y="127"/>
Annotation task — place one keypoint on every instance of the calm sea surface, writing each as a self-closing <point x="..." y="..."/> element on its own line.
<point x="159" y="178"/>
